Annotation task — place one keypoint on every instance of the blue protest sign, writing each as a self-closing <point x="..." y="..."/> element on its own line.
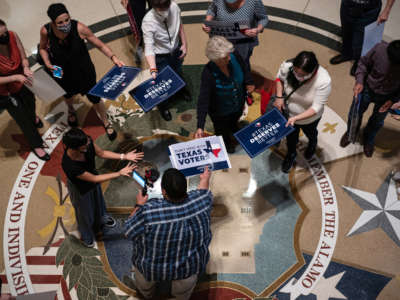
<point x="192" y="157"/>
<point x="154" y="91"/>
<point x="114" y="82"/>
<point x="264" y="132"/>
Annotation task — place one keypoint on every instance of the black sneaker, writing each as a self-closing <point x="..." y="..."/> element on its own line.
<point x="288" y="162"/>
<point x="110" y="222"/>
<point x="230" y="149"/>
<point x="166" y="115"/>
<point x="88" y="244"/>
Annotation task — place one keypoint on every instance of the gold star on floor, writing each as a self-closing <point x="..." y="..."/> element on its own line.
<point x="330" y="127"/>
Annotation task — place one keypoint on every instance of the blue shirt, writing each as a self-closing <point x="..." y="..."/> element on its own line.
<point x="170" y="241"/>
<point x="230" y="90"/>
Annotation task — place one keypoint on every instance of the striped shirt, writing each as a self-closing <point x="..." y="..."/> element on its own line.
<point x="252" y="11"/>
<point x="170" y="241"/>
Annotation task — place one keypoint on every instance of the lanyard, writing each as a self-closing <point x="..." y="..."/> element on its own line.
<point x="166" y="27"/>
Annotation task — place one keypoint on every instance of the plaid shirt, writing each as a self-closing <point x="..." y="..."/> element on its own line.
<point x="170" y="241"/>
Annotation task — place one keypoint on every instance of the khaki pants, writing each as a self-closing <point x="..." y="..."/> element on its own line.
<point x="180" y="289"/>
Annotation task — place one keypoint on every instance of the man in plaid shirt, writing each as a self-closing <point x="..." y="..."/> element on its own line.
<point x="171" y="235"/>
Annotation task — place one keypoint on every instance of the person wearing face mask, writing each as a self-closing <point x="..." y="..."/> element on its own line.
<point x="302" y="90"/>
<point x="14" y="95"/>
<point x="83" y="182"/>
<point x="251" y="11"/>
<point x="165" y="43"/>
<point x="62" y="44"/>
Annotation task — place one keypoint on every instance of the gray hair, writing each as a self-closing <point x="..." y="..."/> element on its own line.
<point x="218" y="47"/>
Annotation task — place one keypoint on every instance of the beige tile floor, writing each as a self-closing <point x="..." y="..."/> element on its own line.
<point x="26" y="16"/>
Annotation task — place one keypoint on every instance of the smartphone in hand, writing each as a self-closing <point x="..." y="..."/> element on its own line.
<point x="57" y="72"/>
<point x="139" y="179"/>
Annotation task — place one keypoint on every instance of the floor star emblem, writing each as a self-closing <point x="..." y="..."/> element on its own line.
<point x="381" y="210"/>
<point x="326" y="288"/>
<point x="331" y="128"/>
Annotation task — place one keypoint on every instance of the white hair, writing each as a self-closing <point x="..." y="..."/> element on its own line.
<point x="218" y="47"/>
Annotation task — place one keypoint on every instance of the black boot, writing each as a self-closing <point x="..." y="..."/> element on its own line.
<point x="288" y="162"/>
<point x="310" y="150"/>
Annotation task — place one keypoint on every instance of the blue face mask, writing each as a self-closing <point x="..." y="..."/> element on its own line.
<point x="65" y="28"/>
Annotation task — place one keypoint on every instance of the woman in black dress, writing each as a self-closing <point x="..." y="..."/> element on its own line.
<point x="62" y="44"/>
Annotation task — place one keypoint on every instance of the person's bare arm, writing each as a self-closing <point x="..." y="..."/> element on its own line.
<point x="124" y="3"/>
<point x="132" y="155"/>
<point x="184" y="46"/>
<point x="384" y="15"/>
<point x="304" y="115"/>
<point x="87" y="34"/>
<point x="24" y="60"/>
<point x="206" y="28"/>
<point x="279" y="103"/>
<point x="126" y="171"/>
<point x="204" y="183"/>
<point x="43" y="48"/>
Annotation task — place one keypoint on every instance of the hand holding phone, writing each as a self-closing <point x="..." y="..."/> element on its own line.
<point x="139" y="179"/>
<point x="57" y="71"/>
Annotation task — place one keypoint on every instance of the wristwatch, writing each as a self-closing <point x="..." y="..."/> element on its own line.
<point x="138" y="205"/>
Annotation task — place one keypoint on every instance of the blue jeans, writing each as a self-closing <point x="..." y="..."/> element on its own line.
<point x="172" y="60"/>
<point x="376" y="120"/>
<point x="353" y="24"/>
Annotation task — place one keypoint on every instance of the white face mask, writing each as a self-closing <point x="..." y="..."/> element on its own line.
<point x="301" y="79"/>
<point x="163" y="14"/>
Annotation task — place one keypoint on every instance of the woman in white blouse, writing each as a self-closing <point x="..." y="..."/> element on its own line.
<point x="312" y="85"/>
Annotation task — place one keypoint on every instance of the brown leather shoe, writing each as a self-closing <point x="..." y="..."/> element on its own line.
<point x="344" y="141"/>
<point x="368" y="150"/>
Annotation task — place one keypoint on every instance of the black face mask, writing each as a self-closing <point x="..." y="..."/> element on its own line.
<point x="5" y="38"/>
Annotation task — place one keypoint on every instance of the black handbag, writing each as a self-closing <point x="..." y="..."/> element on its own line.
<point x="285" y="111"/>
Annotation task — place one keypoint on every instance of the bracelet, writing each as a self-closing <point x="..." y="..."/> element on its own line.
<point x="138" y="205"/>
<point x="153" y="70"/>
<point x="112" y="56"/>
<point x="121" y="156"/>
<point x="280" y="97"/>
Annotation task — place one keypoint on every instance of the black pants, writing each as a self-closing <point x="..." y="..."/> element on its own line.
<point x="24" y="114"/>
<point x="311" y="132"/>
<point x="354" y="19"/>
<point x="172" y="60"/>
<point x="226" y="126"/>
<point x="139" y="11"/>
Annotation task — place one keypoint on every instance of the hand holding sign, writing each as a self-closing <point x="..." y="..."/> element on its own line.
<point x="154" y="91"/>
<point x="192" y="157"/>
<point x="264" y="132"/>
